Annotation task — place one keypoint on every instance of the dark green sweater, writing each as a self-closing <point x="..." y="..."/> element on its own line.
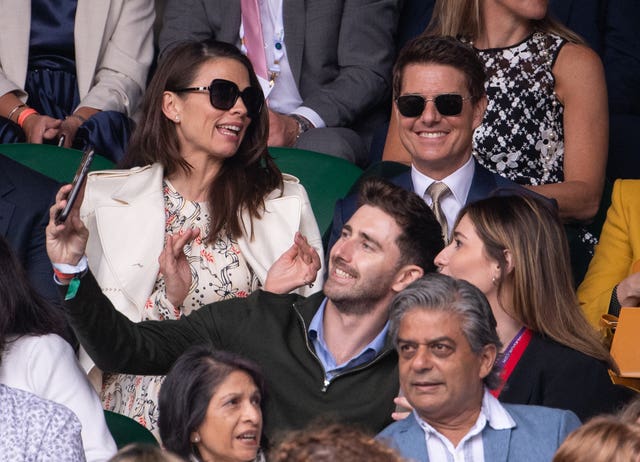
<point x="267" y="328"/>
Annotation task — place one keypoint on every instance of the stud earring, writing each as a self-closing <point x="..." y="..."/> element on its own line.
<point x="195" y="439"/>
<point x="177" y="118"/>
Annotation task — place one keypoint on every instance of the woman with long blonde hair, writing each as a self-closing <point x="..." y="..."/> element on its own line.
<point x="513" y="248"/>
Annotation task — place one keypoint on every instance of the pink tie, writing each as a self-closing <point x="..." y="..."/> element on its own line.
<point x="253" y="40"/>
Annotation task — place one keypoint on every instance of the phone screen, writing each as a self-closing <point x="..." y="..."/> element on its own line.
<point x="78" y="179"/>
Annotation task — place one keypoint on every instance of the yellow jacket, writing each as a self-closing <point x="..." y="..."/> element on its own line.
<point x="618" y="249"/>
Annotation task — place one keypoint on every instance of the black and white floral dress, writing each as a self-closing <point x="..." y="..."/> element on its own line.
<point x="522" y="136"/>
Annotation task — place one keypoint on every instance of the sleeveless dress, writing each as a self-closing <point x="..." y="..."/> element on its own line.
<point x="522" y="135"/>
<point x="52" y="86"/>
<point x="218" y="272"/>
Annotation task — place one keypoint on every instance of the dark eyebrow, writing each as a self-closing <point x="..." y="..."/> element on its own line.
<point x="367" y="237"/>
<point x="443" y="338"/>
<point x="459" y="234"/>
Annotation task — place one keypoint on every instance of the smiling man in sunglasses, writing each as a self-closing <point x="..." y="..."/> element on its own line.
<point x="439" y="98"/>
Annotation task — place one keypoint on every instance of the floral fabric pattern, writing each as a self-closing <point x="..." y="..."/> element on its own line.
<point x="522" y="135"/>
<point x="38" y="430"/>
<point x="218" y="272"/>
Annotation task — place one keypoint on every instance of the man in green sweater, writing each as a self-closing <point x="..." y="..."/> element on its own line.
<point x="325" y="356"/>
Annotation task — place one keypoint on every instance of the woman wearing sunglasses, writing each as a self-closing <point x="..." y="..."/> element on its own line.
<point x="198" y="178"/>
<point x="546" y="122"/>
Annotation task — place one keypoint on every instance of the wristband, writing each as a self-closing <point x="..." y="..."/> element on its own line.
<point x="24" y="114"/>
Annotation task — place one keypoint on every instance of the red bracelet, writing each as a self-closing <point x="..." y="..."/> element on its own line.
<point x="24" y="114"/>
<point x="63" y="276"/>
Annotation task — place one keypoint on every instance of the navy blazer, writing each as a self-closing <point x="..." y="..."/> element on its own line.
<point x="25" y="198"/>
<point x="483" y="184"/>
<point x="535" y="438"/>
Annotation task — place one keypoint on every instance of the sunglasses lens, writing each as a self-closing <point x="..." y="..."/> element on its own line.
<point x="410" y="105"/>
<point x="448" y="105"/>
<point x="252" y="99"/>
<point x="223" y="94"/>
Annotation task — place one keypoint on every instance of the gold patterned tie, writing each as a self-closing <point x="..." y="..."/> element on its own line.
<point x="438" y="190"/>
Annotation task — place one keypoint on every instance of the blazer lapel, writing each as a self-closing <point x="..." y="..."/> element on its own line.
<point x="15" y="23"/>
<point x="496" y="444"/>
<point x="295" y="21"/>
<point x="482" y="185"/>
<point x="411" y="440"/>
<point x="129" y="212"/>
<point x="91" y="19"/>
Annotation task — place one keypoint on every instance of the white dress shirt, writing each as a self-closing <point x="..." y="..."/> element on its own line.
<point x="283" y="96"/>
<point x="470" y="448"/>
<point x="459" y="182"/>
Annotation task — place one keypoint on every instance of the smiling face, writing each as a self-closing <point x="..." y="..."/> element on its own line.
<point x="439" y="145"/>
<point x="232" y="426"/>
<point x="466" y="258"/>
<point x="201" y="128"/>
<point x="363" y="263"/>
<point x="441" y="377"/>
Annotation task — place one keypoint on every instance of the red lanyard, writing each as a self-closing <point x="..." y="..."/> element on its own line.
<point x="512" y="355"/>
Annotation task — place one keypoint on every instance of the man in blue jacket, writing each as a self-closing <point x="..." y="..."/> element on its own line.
<point x="445" y="335"/>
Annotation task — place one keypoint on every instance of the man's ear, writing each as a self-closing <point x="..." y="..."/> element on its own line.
<point x="405" y="276"/>
<point x="478" y="111"/>
<point x="487" y="359"/>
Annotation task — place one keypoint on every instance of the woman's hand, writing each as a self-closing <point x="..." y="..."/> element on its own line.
<point x="403" y="408"/>
<point x="67" y="241"/>
<point x="175" y="267"/>
<point x="296" y="267"/>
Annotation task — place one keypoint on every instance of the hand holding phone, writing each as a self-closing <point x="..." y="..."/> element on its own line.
<point x="78" y="180"/>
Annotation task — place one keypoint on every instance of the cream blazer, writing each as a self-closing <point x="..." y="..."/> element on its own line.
<point x="113" y="46"/>
<point x="124" y="212"/>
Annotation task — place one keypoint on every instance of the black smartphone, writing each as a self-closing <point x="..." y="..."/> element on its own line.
<point x="78" y="179"/>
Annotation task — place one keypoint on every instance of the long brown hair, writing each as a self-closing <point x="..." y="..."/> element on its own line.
<point x="245" y="178"/>
<point x="463" y="19"/>
<point x="543" y="296"/>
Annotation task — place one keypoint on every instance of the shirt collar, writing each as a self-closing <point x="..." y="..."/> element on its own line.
<point x="491" y="412"/>
<point x="459" y="182"/>
<point x="316" y="332"/>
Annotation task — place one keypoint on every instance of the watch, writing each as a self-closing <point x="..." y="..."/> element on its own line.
<point x="303" y="124"/>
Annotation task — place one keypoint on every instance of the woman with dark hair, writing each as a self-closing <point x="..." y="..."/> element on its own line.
<point x="35" y="357"/>
<point x="211" y="406"/>
<point x="198" y="175"/>
<point x="513" y="248"/>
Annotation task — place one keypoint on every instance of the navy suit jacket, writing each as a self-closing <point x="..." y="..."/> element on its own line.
<point x="25" y="198"/>
<point x="535" y="438"/>
<point x="483" y="184"/>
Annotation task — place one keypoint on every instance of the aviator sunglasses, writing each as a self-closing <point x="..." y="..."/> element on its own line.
<point x="223" y="94"/>
<point x="448" y="104"/>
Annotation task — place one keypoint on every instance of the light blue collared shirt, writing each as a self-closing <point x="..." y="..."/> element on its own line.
<point x="316" y="335"/>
